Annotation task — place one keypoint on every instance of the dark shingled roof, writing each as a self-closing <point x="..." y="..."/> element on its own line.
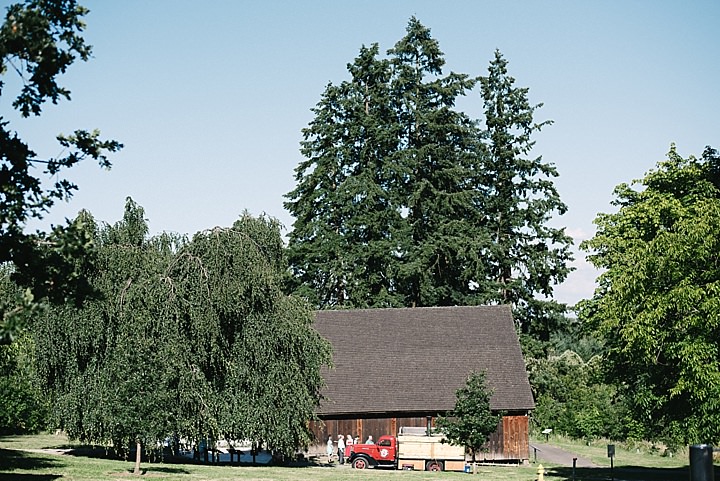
<point x="414" y="359"/>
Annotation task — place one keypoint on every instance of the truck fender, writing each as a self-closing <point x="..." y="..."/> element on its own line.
<point x="361" y="462"/>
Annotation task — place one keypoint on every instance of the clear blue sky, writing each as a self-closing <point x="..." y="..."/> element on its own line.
<point x="209" y="98"/>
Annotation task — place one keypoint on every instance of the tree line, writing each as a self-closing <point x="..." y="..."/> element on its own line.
<point x="401" y="200"/>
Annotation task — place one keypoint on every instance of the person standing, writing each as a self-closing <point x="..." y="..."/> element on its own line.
<point x="348" y="445"/>
<point x="329" y="448"/>
<point x="341" y="449"/>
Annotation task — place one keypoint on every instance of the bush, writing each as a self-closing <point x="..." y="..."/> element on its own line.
<point x="571" y="399"/>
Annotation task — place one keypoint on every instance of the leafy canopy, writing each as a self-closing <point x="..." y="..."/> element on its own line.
<point x="658" y="300"/>
<point x="190" y="338"/>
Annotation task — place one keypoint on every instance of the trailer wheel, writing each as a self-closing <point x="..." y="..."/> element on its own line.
<point x="360" y="463"/>
<point x="434" y="466"/>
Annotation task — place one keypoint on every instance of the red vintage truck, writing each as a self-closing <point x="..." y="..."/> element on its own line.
<point x="408" y="452"/>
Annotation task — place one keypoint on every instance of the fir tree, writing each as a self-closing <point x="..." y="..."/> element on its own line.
<point x="525" y="257"/>
<point x="435" y="157"/>
<point x="341" y="249"/>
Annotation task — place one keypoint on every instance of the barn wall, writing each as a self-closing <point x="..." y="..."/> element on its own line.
<point x="509" y="442"/>
<point x="360" y="427"/>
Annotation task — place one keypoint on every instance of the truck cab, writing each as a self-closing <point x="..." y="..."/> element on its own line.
<point x="382" y="454"/>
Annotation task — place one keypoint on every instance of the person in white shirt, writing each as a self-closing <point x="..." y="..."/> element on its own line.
<point x="341" y="448"/>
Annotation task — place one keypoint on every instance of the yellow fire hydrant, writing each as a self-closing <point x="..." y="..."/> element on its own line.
<point x="540" y="473"/>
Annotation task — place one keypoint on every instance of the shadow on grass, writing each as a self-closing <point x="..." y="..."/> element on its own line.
<point x="29" y="477"/>
<point x="625" y="473"/>
<point x="87" y="451"/>
<point x="165" y="469"/>
<point x="13" y="460"/>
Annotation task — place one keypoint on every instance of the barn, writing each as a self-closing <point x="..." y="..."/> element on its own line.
<point x="401" y="367"/>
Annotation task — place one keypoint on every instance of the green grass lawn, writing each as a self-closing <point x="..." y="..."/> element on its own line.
<point x="18" y="462"/>
<point x="640" y="455"/>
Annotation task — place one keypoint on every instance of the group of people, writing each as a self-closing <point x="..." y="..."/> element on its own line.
<point x="343" y="446"/>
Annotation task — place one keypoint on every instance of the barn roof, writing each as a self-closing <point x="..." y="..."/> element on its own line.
<point x="414" y="359"/>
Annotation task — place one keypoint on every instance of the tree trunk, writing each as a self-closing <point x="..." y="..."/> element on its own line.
<point x="138" y="454"/>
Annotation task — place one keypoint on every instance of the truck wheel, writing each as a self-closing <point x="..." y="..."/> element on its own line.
<point x="360" y="463"/>
<point x="434" y="466"/>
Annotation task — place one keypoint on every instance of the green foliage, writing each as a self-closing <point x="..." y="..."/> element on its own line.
<point x="39" y="40"/>
<point x="471" y="422"/>
<point x="23" y="407"/>
<point x="572" y="399"/>
<point x="192" y="338"/>
<point x="657" y="304"/>
<point x="437" y="163"/>
<point x="402" y="200"/>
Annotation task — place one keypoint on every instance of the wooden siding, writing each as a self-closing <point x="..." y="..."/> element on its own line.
<point x="510" y="442"/>
<point x="515" y="437"/>
<point x="362" y="428"/>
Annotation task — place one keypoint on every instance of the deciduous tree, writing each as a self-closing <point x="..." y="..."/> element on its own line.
<point x="189" y="338"/>
<point x="39" y="40"/>
<point x="658" y="300"/>
<point x="471" y="422"/>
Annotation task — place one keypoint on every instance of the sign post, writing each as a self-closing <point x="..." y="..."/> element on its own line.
<point x="611" y="455"/>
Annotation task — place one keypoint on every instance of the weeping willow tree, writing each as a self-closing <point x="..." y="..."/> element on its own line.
<point x="190" y="338"/>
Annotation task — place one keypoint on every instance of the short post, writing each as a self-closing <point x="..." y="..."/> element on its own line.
<point x="574" y="464"/>
<point x="701" y="463"/>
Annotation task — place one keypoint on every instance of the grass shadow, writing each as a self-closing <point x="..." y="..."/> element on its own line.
<point x="626" y="473"/>
<point x="87" y="451"/>
<point x="29" y="477"/>
<point x="13" y="460"/>
<point x="166" y="470"/>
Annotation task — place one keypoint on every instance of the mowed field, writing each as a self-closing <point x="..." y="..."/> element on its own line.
<point x="30" y="458"/>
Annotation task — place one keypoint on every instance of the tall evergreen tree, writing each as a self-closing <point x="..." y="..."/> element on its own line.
<point x="342" y="250"/>
<point x="384" y="204"/>
<point x="436" y="155"/>
<point x="403" y="200"/>
<point x="525" y="257"/>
